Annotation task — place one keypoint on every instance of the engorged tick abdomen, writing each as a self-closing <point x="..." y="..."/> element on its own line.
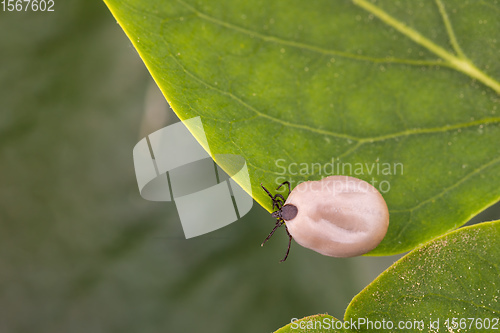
<point x="338" y="216"/>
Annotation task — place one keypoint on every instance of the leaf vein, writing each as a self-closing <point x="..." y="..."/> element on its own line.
<point x="447" y="189"/>
<point x="309" y="47"/>
<point x="449" y="29"/>
<point x="405" y="133"/>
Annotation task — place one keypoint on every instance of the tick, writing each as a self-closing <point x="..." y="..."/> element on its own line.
<point x="337" y="216"/>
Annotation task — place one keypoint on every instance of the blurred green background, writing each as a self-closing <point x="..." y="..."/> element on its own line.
<point x="81" y="251"/>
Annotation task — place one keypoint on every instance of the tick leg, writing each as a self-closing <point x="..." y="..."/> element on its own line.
<point x="278" y="224"/>
<point x="279" y="200"/>
<point x="289" y="243"/>
<point x="279" y="196"/>
<point x="265" y="189"/>
<point x="287" y="183"/>
<point x="273" y="198"/>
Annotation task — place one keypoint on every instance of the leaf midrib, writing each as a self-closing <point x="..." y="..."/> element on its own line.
<point x="459" y="63"/>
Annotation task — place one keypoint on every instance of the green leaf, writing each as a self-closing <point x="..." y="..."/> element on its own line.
<point x="454" y="276"/>
<point x="313" y="324"/>
<point x="401" y="94"/>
